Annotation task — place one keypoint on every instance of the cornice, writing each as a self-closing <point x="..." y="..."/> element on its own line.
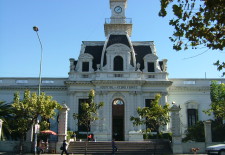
<point x="158" y="83"/>
<point x="69" y="83"/>
<point x="113" y="82"/>
<point x="31" y="87"/>
<point x="192" y="88"/>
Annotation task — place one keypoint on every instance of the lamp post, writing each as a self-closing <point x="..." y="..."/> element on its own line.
<point x="1" y="122"/>
<point x="35" y="28"/>
<point x="36" y="131"/>
<point x="37" y="126"/>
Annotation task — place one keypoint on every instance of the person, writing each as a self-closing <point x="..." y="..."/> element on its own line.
<point x="64" y="148"/>
<point x="114" y="147"/>
<point x="90" y="137"/>
<point x="74" y="136"/>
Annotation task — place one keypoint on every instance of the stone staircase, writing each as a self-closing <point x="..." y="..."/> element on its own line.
<point x="128" y="148"/>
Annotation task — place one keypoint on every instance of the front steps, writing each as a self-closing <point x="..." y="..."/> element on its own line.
<point x="128" y="148"/>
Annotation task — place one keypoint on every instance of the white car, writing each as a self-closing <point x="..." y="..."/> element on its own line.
<point x="216" y="149"/>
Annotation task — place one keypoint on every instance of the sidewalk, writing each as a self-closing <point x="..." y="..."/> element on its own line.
<point x="5" y="153"/>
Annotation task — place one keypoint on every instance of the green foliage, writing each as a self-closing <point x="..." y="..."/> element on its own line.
<point x="197" y="24"/>
<point x="69" y="135"/>
<point x="90" y="111"/>
<point x="159" y="136"/>
<point x="196" y="132"/>
<point x="153" y="117"/>
<point x="5" y="116"/>
<point x="218" y="131"/>
<point x="217" y="94"/>
<point x="26" y="111"/>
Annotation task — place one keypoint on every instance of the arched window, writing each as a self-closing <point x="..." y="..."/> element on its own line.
<point x="118" y="63"/>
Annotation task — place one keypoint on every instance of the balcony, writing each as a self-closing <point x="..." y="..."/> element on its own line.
<point x="118" y="21"/>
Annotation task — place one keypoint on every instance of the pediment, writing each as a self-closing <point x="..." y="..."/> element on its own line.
<point x="150" y="57"/>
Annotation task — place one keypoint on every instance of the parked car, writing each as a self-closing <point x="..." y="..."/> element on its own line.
<point x="216" y="149"/>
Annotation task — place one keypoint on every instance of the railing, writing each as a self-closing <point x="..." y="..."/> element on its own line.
<point x="118" y="21"/>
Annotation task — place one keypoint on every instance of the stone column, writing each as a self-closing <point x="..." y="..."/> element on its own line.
<point x="1" y="122"/>
<point x="208" y="132"/>
<point x="29" y="135"/>
<point x="176" y="132"/>
<point x="62" y="127"/>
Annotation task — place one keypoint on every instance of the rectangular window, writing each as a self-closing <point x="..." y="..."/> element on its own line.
<point x="85" y="67"/>
<point x="48" y="81"/>
<point x="118" y="75"/>
<point x="218" y="82"/>
<point x="151" y="76"/>
<point x="148" y="103"/>
<point x="0" y="81"/>
<point x="21" y="81"/>
<point x="85" y="76"/>
<point x="189" y="82"/>
<point x="82" y="128"/>
<point x="151" y="67"/>
<point x="192" y="116"/>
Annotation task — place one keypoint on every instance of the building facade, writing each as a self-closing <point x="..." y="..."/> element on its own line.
<point x="125" y="75"/>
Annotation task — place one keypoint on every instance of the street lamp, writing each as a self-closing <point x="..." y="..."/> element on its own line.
<point x="35" y="28"/>
<point x="1" y="122"/>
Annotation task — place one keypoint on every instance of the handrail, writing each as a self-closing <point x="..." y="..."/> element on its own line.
<point x="118" y="20"/>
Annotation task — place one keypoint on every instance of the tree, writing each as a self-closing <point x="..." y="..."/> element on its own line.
<point x="5" y="115"/>
<point x="153" y="117"/>
<point x="196" y="24"/>
<point x="89" y="111"/>
<point x="217" y="95"/>
<point x="196" y="132"/>
<point x="27" y="111"/>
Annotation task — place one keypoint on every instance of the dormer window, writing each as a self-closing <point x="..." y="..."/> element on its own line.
<point x="151" y="63"/>
<point x="85" y="63"/>
<point x="85" y="67"/>
<point x="118" y="63"/>
<point x="151" y="67"/>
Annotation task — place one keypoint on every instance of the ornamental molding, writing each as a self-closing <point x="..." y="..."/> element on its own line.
<point x="33" y="87"/>
<point x="150" y="58"/>
<point x="158" y="83"/>
<point x="71" y="83"/>
<point x="118" y="47"/>
<point x="193" y="88"/>
<point x="113" y="82"/>
<point x="86" y="56"/>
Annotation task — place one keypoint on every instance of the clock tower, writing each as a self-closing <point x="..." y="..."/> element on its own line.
<point x="118" y="23"/>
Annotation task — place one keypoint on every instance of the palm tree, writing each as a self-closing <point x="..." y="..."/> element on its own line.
<point x="5" y="115"/>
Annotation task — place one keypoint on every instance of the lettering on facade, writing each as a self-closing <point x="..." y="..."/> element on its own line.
<point x="118" y="87"/>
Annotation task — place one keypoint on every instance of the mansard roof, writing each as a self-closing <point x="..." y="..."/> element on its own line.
<point x="118" y="39"/>
<point x="96" y="52"/>
<point x="95" y="48"/>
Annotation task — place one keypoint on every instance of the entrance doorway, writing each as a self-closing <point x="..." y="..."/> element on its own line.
<point x="118" y="120"/>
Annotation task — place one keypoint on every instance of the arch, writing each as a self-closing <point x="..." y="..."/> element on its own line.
<point x="118" y="63"/>
<point x="118" y="119"/>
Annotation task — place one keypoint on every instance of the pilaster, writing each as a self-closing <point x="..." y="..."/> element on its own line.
<point x="176" y="131"/>
<point x="208" y="132"/>
<point x="62" y="129"/>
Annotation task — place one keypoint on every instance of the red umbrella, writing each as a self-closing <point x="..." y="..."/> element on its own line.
<point x="49" y="132"/>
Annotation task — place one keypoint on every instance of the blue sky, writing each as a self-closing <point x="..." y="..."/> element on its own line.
<point x="63" y="25"/>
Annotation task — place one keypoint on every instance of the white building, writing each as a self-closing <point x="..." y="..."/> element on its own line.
<point x="125" y="75"/>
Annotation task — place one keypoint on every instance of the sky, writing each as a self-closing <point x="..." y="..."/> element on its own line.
<point x="64" y="24"/>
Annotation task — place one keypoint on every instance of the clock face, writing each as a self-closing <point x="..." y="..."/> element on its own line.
<point x="118" y="9"/>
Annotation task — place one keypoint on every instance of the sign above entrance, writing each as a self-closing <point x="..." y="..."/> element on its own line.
<point x="118" y="87"/>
